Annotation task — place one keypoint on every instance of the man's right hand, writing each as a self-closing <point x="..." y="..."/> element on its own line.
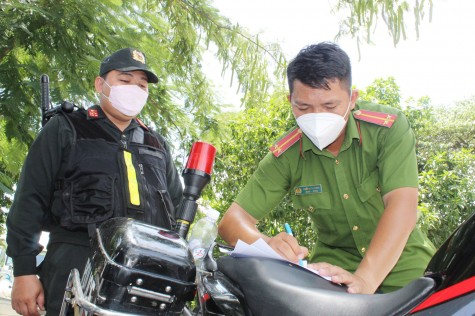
<point x="239" y="224"/>
<point x="27" y="295"/>
<point x="288" y="247"/>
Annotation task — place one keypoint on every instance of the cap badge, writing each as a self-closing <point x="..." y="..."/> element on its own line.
<point x="138" y="56"/>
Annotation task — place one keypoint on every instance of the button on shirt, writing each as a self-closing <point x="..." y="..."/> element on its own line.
<point x="346" y="210"/>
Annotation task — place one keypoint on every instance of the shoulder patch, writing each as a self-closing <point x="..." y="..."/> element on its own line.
<point x="285" y="142"/>
<point x="378" y="118"/>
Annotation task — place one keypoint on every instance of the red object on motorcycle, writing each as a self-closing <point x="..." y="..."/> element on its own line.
<point x="201" y="157"/>
<point x="447" y="294"/>
<point x="196" y="176"/>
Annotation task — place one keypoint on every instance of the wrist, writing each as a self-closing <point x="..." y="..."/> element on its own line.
<point x="371" y="283"/>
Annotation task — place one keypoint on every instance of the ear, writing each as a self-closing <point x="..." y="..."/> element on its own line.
<point x="98" y="84"/>
<point x="288" y="97"/>
<point x="354" y="97"/>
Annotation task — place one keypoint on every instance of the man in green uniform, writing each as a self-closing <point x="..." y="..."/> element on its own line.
<point x="352" y="168"/>
<point x="83" y="168"/>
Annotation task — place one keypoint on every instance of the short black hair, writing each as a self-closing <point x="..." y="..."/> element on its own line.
<point x="316" y="65"/>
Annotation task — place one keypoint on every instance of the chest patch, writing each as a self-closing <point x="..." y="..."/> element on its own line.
<point x="308" y="189"/>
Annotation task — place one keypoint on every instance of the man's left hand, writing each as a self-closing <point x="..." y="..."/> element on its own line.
<point x="355" y="284"/>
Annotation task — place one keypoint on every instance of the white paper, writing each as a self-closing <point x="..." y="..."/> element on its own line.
<point x="262" y="249"/>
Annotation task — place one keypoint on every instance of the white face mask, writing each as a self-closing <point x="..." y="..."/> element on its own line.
<point x="127" y="99"/>
<point x="322" y="128"/>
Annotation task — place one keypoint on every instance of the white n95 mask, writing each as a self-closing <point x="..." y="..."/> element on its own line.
<point x="322" y="128"/>
<point x="127" y="99"/>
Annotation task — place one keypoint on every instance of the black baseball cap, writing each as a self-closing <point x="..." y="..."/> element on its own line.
<point x="127" y="59"/>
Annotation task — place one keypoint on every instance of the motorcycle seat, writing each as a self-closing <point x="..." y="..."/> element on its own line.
<point x="275" y="287"/>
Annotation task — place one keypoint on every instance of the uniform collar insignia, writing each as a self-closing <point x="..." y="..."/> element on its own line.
<point x="94" y="112"/>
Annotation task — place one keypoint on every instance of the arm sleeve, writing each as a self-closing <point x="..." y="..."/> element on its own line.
<point x="30" y="208"/>
<point x="266" y="187"/>
<point x="397" y="161"/>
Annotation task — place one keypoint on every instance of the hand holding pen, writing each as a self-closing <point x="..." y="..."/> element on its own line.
<point x="287" y="246"/>
<point x="302" y="262"/>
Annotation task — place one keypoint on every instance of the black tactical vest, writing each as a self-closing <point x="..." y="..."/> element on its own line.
<point x="105" y="178"/>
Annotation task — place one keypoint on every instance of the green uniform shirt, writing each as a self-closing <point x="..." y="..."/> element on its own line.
<point x="343" y="194"/>
<point x="47" y="155"/>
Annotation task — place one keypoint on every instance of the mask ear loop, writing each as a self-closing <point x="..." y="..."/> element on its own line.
<point x="109" y="88"/>
<point x="349" y="103"/>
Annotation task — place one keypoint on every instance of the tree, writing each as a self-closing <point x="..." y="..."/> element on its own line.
<point x="11" y="159"/>
<point x="383" y="91"/>
<point x="445" y="142"/>
<point x="446" y="161"/>
<point x="447" y="189"/>
<point x="362" y="15"/>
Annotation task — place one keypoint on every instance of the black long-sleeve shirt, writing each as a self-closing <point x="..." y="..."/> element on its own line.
<point x="34" y="194"/>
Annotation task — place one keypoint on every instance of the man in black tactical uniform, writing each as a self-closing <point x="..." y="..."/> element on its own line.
<point x="84" y="168"/>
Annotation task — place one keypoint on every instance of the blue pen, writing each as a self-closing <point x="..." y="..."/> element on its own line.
<point x="288" y="229"/>
<point x="302" y="263"/>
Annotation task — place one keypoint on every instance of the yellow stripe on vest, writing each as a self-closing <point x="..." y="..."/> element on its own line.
<point x="132" y="179"/>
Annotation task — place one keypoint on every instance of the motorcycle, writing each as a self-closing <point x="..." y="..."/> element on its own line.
<point x="140" y="269"/>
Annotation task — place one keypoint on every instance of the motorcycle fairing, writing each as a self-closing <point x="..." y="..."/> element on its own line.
<point x="454" y="261"/>
<point x="225" y="294"/>
<point x="274" y="287"/>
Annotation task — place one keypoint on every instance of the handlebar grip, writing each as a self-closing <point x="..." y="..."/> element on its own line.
<point x="44" y="92"/>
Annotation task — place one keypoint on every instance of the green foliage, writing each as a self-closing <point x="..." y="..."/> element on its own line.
<point x="445" y="141"/>
<point x="447" y="187"/>
<point x="244" y="142"/>
<point x="362" y="15"/>
<point x="383" y="91"/>
<point x="11" y="158"/>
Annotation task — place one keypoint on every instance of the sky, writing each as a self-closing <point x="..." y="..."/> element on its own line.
<point x="440" y="64"/>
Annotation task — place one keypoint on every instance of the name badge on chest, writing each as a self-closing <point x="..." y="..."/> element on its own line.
<point x="308" y="189"/>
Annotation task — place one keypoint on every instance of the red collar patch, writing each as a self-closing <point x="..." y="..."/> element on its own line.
<point x="286" y="142"/>
<point x="92" y="113"/>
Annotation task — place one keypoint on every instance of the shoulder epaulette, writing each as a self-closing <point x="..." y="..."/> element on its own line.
<point x="378" y="118"/>
<point x="285" y="142"/>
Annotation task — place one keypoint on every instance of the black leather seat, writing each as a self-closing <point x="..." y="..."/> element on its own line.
<point x="274" y="287"/>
